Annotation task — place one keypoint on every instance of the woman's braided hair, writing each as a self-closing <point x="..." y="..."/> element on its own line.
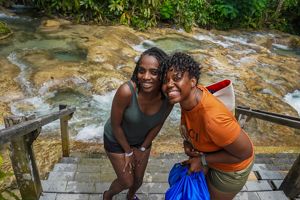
<point x="160" y="56"/>
<point x="184" y="63"/>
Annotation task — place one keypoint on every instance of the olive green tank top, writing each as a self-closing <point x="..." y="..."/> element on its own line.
<point x="135" y="123"/>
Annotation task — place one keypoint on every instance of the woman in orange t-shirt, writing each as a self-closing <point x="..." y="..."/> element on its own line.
<point x="213" y="138"/>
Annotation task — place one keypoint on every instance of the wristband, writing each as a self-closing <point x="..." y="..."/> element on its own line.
<point x="142" y="149"/>
<point x="203" y="160"/>
<point x="128" y="154"/>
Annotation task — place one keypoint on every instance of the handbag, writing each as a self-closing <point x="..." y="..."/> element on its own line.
<point x="224" y="91"/>
<point x="185" y="186"/>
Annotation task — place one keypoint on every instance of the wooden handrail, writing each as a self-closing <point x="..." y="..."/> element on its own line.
<point x="21" y="132"/>
<point x="285" y="120"/>
<point x="28" y="126"/>
<point x="291" y="183"/>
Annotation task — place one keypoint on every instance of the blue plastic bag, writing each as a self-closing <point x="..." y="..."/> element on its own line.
<point x="184" y="186"/>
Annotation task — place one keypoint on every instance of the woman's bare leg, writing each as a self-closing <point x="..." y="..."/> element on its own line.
<point x="139" y="171"/>
<point x="124" y="179"/>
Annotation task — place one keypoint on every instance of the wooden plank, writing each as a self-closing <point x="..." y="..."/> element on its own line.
<point x="64" y="132"/>
<point x="23" y="163"/>
<point x="291" y="183"/>
<point x="31" y="125"/>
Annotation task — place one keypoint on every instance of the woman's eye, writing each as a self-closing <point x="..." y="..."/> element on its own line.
<point x="141" y="70"/>
<point x="154" y="72"/>
<point x="177" y="77"/>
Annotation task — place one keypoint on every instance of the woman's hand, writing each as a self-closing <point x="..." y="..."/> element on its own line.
<point x="189" y="150"/>
<point x="195" y="164"/>
<point x="138" y="156"/>
<point x="129" y="161"/>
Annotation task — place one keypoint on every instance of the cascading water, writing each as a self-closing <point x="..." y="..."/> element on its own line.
<point x="70" y="67"/>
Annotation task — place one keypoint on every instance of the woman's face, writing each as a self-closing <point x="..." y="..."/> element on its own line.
<point x="177" y="86"/>
<point x="148" y="74"/>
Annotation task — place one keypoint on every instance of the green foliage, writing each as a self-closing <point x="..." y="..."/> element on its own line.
<point x="142" y="14"/>
<point x="2" y="174"/>
<point x="167" y="10"/>
<point x="81" y="10"/>
<point x="4" y="29"/>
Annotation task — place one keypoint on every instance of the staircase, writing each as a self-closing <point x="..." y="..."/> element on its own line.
<point x="86" y="177"/>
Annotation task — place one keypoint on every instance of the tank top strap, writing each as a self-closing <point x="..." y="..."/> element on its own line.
<point x="131" y="87"/>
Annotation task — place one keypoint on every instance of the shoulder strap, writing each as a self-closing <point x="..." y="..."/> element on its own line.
<point x="131" y="87"/>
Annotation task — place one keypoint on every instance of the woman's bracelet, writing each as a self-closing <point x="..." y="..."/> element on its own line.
<point x="203" y="160"/>
<point x="128" y="154"/>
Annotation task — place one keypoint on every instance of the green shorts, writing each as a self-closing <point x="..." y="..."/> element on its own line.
<point x="229" y="182"/>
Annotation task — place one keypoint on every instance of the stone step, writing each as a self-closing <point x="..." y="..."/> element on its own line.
<point x="88" y="177"/>
<point x="265" y="195"/>
<point x="122" y="196"/>
<point x="103" y="176"/>
<point x="50" y="186"/>
<point x="90" y="165"/>
<point x="96" y="187"/>
<point x="166" y="161"/>
<point x="154" y="165"/>
<point x="270" y="175"/>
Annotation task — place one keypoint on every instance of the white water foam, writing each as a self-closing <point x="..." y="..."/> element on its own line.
<point x="280" y="46"/>
<point x="4" y="16"/>
<point x="90" y="133"/>
<point x="143" y="46"/>
<point x="293" y="99"/>
<point x="243" y="41"/>
<point x="208" y="38"/>
<point x="34" y="105"/>
<point x="22" y="77"/>
<point x="102" y="107"/>
<point x="105" y="101"/>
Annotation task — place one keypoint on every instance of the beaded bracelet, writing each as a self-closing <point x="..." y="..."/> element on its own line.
<point x="129" y="154"/>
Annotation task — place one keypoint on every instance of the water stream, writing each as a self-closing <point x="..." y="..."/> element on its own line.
<point x="93" y="108"/>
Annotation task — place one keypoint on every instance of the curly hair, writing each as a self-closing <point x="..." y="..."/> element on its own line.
<point x="160" y="56"/>
<point x="184" y="63"/>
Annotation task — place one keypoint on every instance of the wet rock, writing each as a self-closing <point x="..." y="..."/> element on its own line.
<point x="262" y="40"/>
<point x="9" y="88"/>
<point x="106" y="84"/>
<point x="294" y="43"/>
<point x="260" y="78"/>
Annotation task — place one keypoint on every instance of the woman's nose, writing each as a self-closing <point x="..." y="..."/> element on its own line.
<point x="147" y="75"/>
<point x="170" y="83"/>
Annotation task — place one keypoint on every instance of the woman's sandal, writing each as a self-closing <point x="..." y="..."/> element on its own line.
<point x="134" y="198"/>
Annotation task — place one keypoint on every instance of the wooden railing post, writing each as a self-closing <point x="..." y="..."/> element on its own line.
<point x="23" y="161"/>
<point x="291" y="183"/>
<point x="64" y="132"/>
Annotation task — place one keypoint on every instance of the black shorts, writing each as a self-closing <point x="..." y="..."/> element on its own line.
<point x="114" y="147"/>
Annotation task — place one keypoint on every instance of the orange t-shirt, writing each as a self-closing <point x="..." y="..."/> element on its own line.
<point x="210" y="126"/>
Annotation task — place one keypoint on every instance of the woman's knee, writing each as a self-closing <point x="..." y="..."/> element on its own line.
<point x="126" y="182"/>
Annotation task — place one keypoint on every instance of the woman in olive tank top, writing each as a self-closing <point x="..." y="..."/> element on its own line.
<point x="139" y="109"/>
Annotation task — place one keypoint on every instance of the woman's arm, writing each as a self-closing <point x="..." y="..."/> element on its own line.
<point x="120" y="103"/>
<point x="240" y="149"/>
